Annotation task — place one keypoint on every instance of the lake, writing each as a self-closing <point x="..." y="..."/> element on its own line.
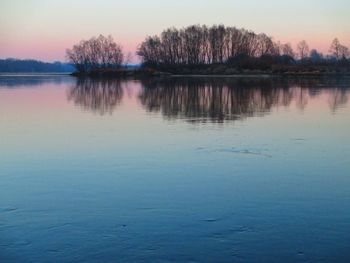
<point x="174" y="169"/>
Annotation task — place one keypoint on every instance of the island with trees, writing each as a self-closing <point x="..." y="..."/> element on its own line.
<point x="203" y="50"/>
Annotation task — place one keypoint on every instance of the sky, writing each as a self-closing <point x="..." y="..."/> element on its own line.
<point x="44" y="29"/>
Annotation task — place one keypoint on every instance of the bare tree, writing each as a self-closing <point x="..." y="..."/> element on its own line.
<point x="338" y="50"/>
<point x="265" y="45"/>
<point x="344" y="52"/>
<point x="287" y="50"/>
<point x="96" y="53"/>
<point x="335" y="48"/>
<point x="303" y="49"/>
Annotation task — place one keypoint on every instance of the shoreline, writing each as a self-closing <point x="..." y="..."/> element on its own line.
<point x="157" y="74"/>
<point x="167" y="75"/>
<point x="142" y="74"/>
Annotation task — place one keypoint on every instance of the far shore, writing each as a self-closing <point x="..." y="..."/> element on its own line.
<point x="144" y="73"/>
<point x="135" y="74"/>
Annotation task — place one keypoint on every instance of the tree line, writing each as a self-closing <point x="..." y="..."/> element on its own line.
<point x="30" y="65"/>
<point x="197" y="45"/>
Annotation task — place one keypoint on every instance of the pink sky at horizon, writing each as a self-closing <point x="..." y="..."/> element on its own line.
<point x="43" y="30"/>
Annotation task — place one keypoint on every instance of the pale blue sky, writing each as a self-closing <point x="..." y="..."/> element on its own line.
<point x="43" y="29"/>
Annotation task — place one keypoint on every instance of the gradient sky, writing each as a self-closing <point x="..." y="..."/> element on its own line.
<point x="43" y="29"/>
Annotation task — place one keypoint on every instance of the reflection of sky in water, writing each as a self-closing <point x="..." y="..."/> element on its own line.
<point x="159" y="170"/>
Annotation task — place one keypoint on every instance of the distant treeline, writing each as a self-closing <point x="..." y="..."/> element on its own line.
<point x="209" y="50"/>
<point x="15" y="65"/>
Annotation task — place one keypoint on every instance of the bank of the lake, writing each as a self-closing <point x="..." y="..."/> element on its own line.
<point x="217" y="71"/>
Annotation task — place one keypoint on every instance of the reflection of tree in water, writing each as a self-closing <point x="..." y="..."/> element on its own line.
<point x="97" y="95"/>
<point x="215" y="100"/>
<point x="337" y="99"/>
<point x="219" y="100"/>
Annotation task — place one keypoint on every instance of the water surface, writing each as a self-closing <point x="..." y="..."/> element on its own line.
<point x="174" y="170"/>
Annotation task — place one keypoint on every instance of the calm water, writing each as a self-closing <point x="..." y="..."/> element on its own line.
<point x="178" y="170"/>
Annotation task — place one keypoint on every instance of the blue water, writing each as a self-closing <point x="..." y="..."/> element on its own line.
<point x="174" y="170"/>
